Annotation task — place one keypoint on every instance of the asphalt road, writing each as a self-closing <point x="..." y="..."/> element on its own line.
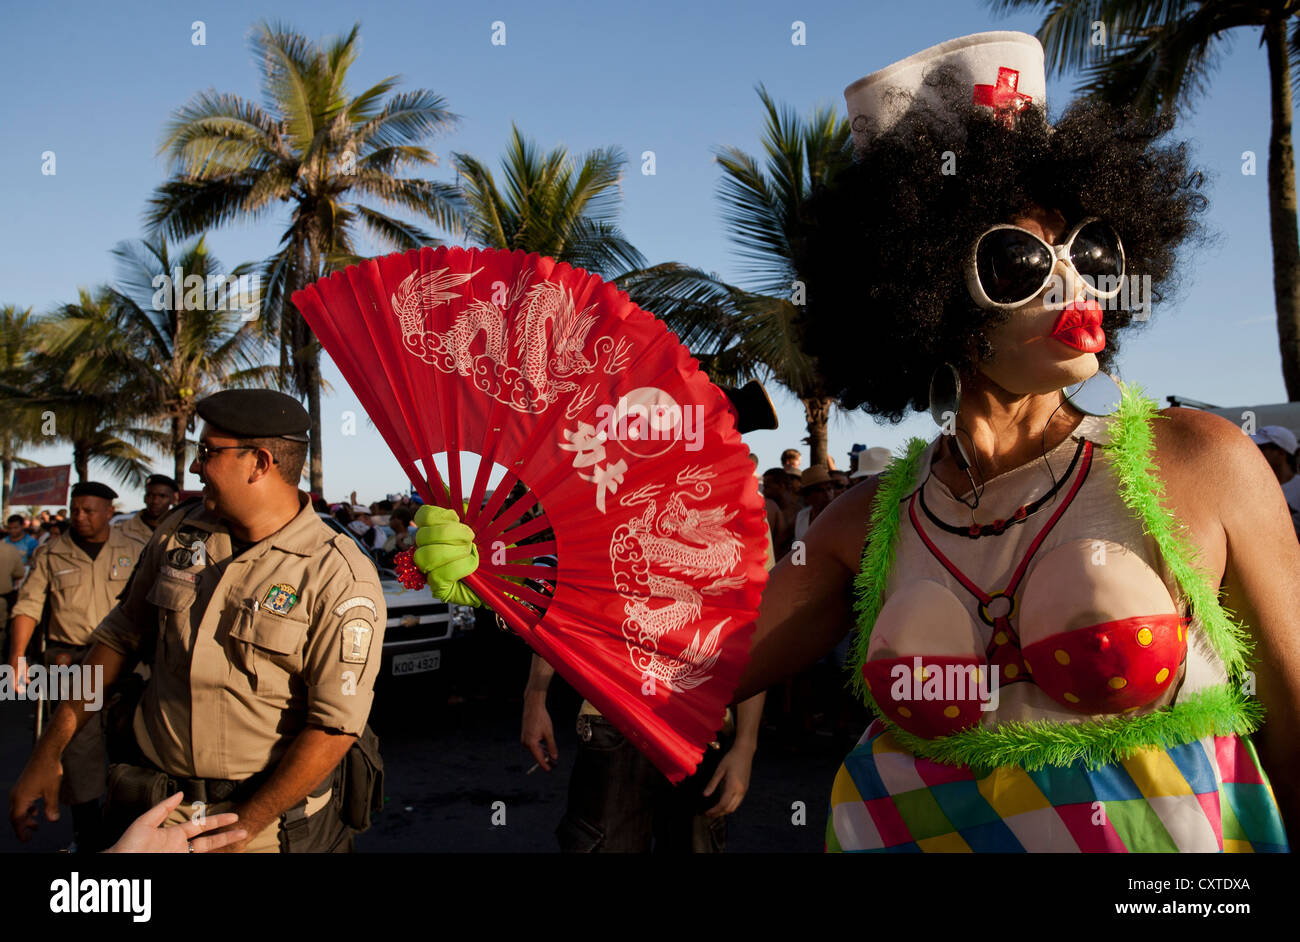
<point x="450" y="742"/>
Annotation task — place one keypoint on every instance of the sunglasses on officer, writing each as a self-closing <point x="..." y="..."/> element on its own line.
<point x="203" y="451"/>
<point x="1008" y="266"/>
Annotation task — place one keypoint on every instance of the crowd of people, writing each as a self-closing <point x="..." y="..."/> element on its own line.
<point x="980" y="550"/>
<point x="794" y="496"/>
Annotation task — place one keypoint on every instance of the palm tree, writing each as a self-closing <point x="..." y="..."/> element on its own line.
<point x="1159" y="55"/>
<point x="184" y="351"/>
<point x="740" y="333"/>
<point x="18" y="426"/>
<point x="99" y="404"/>
<point x="551" y="204"/>
<point x="318" y="150"/>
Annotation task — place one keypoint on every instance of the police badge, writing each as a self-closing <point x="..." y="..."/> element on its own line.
<point x="280" y="598"/>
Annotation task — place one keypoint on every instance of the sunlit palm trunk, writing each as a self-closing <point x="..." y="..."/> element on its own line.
<point x="817" y="412"/>
<point x="313" y="412"/>
<point x="310" y="351"/>
<point x="178" y="424"/>
<point x="1282" y="209"/>
<point x="7" y="468"/>
<point x="81" y="461"/>
<point x="178" y="450"/>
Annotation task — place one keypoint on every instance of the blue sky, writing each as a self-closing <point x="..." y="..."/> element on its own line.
<point x="95" y="83"/>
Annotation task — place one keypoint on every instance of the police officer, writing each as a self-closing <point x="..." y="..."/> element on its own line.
<point x="12" y="571"/>
<point x="265" y="629"/>
<point x="76" y="579"/>
<point x="159" y="495"/>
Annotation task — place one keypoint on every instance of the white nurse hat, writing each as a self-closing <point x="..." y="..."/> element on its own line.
<point x="1003" y="69"/>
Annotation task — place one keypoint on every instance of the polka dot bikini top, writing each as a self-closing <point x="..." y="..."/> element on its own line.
<point x="1052" y="609"/>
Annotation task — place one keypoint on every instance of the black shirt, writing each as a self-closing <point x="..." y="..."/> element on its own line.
<point x="90" y="549"/>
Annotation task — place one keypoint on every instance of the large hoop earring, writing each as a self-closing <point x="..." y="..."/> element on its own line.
<point x="945" y="403"/>
<point x="945" y="395"/>
<point x="1097" y="395"/>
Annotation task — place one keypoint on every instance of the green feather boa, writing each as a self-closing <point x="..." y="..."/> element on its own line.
<point x="1219" y="710"/>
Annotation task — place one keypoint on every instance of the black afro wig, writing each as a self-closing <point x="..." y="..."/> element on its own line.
<point x="887" y="239"/>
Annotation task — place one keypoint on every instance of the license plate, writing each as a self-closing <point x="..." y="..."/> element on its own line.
<point x="416" y="663"/>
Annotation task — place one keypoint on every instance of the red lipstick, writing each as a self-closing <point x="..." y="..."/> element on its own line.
<point x="1079" y="326"/>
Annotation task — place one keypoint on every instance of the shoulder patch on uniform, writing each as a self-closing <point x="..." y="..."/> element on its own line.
<point x="355" y="639"/>
<point x="357" y="601"/>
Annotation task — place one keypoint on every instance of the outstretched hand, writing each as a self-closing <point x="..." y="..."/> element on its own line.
<point x="147" y="835"/>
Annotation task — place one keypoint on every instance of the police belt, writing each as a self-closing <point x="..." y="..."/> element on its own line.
<point x="211" y="791"/>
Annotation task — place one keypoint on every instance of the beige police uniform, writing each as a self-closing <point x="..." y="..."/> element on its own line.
<point x="250" y="650"/>
<point x="135" y="528"/>
<point x="11" y="573"/>
<point x="80" y="592"/>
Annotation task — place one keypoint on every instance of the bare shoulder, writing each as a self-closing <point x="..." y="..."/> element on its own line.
<point x="1207" y="452"/>
<point x="841" y="529"/>
<point x="1197" y="430"/>
<point x="1217" y="483"/>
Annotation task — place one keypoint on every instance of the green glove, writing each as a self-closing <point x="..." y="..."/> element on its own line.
<point x="445" y="553"/>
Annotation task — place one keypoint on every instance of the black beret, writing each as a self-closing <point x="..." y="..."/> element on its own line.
<point x="256" y="413"/>
<point x="93" y="489"/>
<point x="160" y="479"/>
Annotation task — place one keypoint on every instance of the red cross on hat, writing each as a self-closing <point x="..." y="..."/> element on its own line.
<point x="1010" y="62"/>
<point x="1003" y="97"/>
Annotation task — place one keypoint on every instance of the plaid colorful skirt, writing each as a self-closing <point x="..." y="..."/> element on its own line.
<point x="1207" y="796"/>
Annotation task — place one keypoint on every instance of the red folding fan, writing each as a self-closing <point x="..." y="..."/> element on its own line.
<point x="610" y="438"/>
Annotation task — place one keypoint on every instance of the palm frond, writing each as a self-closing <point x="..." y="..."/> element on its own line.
<point x="1159" y="68"/>
<point x="183" y="206"/>
<point x="406" y="117"/>
<point x="492" y="222"/>
<point x="396" y="233"/>
<point x="442" y="203"/>
<point x="218" y="133"/>
<point x="288" y="60"/>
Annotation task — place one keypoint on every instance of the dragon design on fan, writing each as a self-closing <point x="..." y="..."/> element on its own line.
<point x="540" y="370"/>
<point x="680" y="553"/>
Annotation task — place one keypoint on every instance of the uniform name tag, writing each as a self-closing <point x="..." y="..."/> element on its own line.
<point x="355" y="602"/>
<point x="191" y="577"/>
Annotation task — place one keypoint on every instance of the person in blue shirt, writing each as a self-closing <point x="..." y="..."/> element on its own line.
<point x="16" y="535"/>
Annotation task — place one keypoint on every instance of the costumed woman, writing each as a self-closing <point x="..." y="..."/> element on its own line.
<point x="1043" y="596"/>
